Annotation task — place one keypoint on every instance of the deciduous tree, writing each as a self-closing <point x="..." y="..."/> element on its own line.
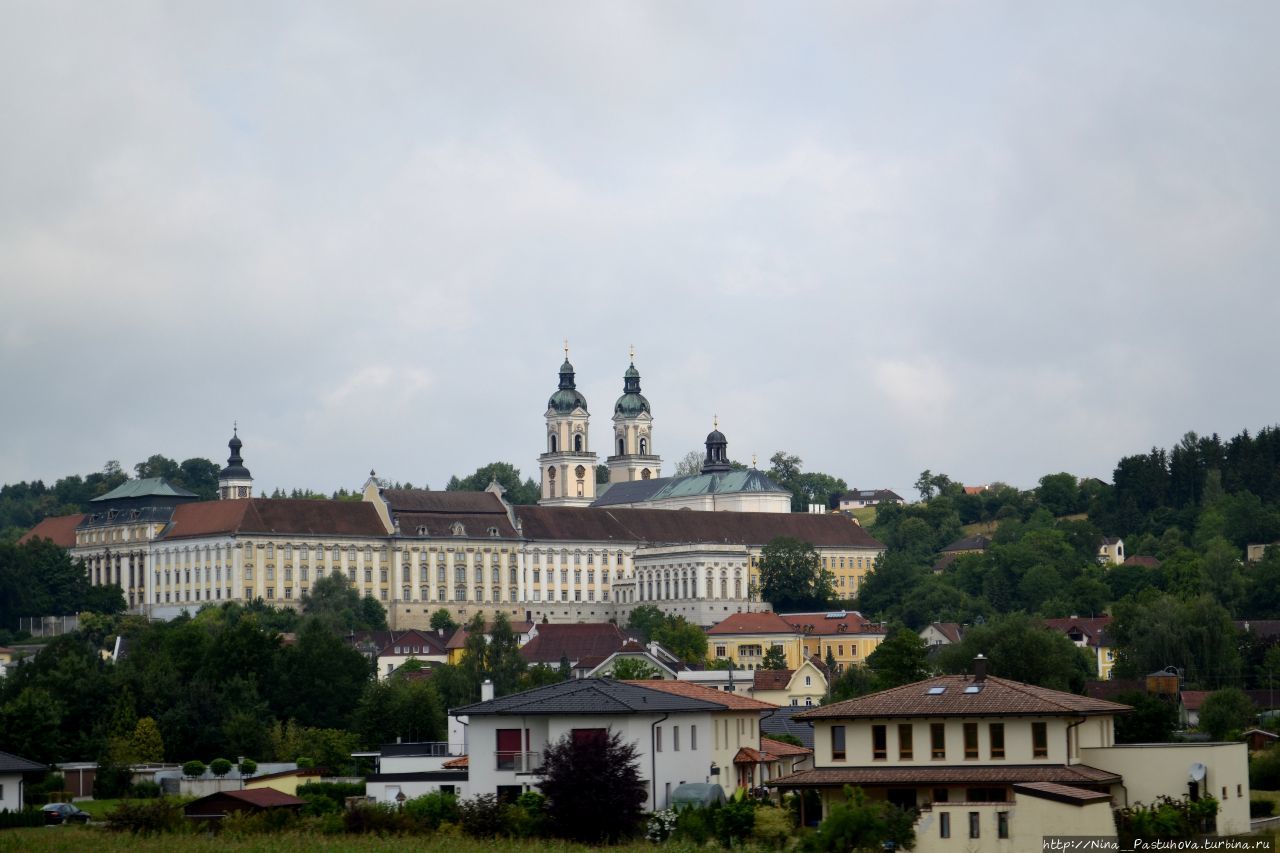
<point x="792" y="576"/>
<point x="594" y="791"/>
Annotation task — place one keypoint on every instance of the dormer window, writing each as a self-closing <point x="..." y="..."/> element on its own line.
<point x="422" y="530"/>
<point x="493" y="531"/>
<point x="457" y="529"/>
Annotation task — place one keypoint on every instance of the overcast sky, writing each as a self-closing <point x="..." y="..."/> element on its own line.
<point x="996" y="240"/>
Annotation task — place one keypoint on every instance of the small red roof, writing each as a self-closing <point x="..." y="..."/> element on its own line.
<point x="1193" y="699"/>
<point x="455" y="763"/>
<point x="264" y="798"/>
<point x="752" y="623"/>
<point x="772" y="679"/>
<point x="60" y="529"/>
<point x="731" y="701"/>
<point x="781" y="748"/>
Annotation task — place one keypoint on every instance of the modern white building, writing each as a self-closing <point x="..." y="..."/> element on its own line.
<point x="13" y="770"/>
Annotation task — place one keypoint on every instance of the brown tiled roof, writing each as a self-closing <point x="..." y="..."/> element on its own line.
<point x="747" y="755"/>
<point x="953" y="631"/>
<point x="1061" y="793"/>
<point x="573" y="641"/>
<point x="996" y="696"/>
<point x="1111" y="688"/>
<point x="752" y="623"/>
<point x="423" y="501"/>
<point x="1093" y="628"/>
<point x="772" y="679"/>
<point x="457" y="763"/>
<point x="731" y="701"/>
<point x="823" y="624"/>
<point x="1073" y="774"/>
<point x="386" y="641"/>
<point x="1143" y="561"/>
<point x="262" y="797"/>
<point x="659" y="526"/>
<point x="1193" y="699"/>
<point x="440" y="524"/>
<point x="782" y="749"/>
<point x="1265" y="628"/>
<point x="279" y="516"/>
<point x="60" y="529"/>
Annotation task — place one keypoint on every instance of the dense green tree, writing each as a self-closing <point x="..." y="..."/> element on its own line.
<point x="901" y="658"/>
<point x="683" y="639"/>
<point x="31" y="726"/>
<point x="442" y="620"/>
<point x="1022" y="649"/>
<point x="863" y="824"/>
<point x="506" y="475"/>
<point x="645" y="620"/>
<point x="503" y="661"/>
<point x="341" y="608"/>
<point x="774" y="658"/>
<point x="1059" y="493"/>
<point x="806" y="487"/>
<point x="792" y="576"/>
<point x="633" y="669"/>
<point x="1195" y="635"/>
<point x="320" y="678"/>
<point x="1152" y="720"/>
<point x="1226" y="712"/>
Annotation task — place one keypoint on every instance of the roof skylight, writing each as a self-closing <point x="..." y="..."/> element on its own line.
<point x="937" y="691"/>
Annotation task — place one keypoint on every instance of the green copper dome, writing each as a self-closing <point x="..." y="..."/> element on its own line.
<point x="632" y="402"/>
<point x="567" y="398"/>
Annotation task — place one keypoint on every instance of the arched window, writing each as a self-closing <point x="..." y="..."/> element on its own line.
<point x="577" y="442"/>
<point x="552" y="439"/>
<point x="644" y="475"/>
<point x="622" y="446"/>
<point x="644" y="446"/>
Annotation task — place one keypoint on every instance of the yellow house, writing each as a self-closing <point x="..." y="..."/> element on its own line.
<point x="1090" y="634"/>
<point x="845" y="634"/>
<point x="745" y="638"/>
<point x="803" y="686"/>
<point x="286" y="781"/>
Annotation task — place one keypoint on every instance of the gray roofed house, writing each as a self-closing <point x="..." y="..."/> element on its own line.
<point x="12" y="770"/>
<point x="783" y="722"/>
<point x="588" y="696"/>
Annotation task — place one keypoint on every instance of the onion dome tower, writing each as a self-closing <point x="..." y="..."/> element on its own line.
<point x="633" y="457"/>
<point x="235" y="481"/>
<point x="568" y="467"/>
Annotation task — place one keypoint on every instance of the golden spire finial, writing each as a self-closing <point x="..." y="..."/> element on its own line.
<point x="753" y="460"/>
<point x="566" y="349"/>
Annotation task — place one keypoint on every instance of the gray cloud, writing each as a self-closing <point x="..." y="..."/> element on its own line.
<point x="997" y="240"/>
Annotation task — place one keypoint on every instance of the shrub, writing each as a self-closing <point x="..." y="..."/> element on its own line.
<point x="526" y="817"/>
<point x="773" y="826"/>
<point x="427" y="812"/>
<point x="327" y="797"/>
<point x="193" y="769"/>
<point x="1261" y="808"/>
<point x="734" y="821"/>
<point x="248" y="767"/>
<point x="21" y="818"/>
<point x="372" y="818"/>
<point x="220" y="767"/>
<point x="1166" y="818"/>
<point x="695" y="825"/>
<point x="480" y="816"/>
<point x="593" y="788"/>
<point x="1264" y="770"/>
<point x="661" y="825"/>
<point x="266" y="822"/>
<point x="144" y="817"/>
<point x="144" y="791"/>
<point x="862" y="824"/>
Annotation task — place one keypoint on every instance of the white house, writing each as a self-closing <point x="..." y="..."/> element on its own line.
<point x="12" y="771"/>
<point x="674" y="735"/>
<point x="992" y="765"/>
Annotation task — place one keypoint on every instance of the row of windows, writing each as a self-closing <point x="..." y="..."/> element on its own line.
<point x="675" y="738"/>
<point x="938" y="741"/>
<point x="975" y="824"/>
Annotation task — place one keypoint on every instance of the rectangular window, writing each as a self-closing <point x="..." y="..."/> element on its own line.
<point x="996" y="733"/>
<point x="970" y="740"/>
<point x="879" y="743"/>
<point x="1002" y="824"/>
<point x="271" y="592"/>
<point x="1039" y="740"/>
<point x="974" y="825"/>
<point x="675" y="738"/>
<point x="944" y="824"/>
<point x="904" y="742"/>
<point x="248" y="594"/>
<point x="508" y="753"/>
<point x="938" y="740"/>
<point x="693" y="737"/>
<point x="837" y="743"/>
<point x="368" y="575"/>
<point x="657" y="738"/>
<point x="940" y="795"/>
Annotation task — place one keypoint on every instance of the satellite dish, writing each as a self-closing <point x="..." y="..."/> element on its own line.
<point x="1197" y="772"/>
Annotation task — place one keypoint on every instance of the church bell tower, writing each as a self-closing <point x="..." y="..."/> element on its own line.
<point x="568" y="466"/>
<point x="633" y="457"/>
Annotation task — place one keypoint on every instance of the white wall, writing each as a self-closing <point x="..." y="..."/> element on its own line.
<point x="385" y="792"/>
<point x="668" y="766"/>
<point x="11" y="795"/>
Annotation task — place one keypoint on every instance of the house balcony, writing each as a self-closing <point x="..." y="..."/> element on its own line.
<point x="518" y="762"/>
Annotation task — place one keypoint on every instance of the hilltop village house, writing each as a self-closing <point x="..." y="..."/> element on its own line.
<point x="576" y="557"/>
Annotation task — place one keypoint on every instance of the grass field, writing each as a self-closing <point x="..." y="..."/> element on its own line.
<point x="79" y="839"/>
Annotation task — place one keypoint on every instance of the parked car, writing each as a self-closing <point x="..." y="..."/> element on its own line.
<point x="56" y="813"/>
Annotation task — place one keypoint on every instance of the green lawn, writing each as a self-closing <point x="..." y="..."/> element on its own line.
<point x="79" y="839"/>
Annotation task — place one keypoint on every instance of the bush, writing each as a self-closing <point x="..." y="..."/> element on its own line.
<point x="220" y="767"/>
<point x="144" y="817"/>
<point x="1261" y="808"/>
<point x="18" y="819"/>
<point x="1264" y="770"/>
<point x="1166" y="818"/>
<point x="480" y="816"/>
<point x="267" y="822"/>
<point x="144" y="791"/>
<point x="773" y="826"/>
<point x="695" y="825"/>
<point x="734" y="821"/>
<point x="327" y="797"/>
<point x="112" y="780"/>
<point x="372" y="819"/>
<point x="248" y="767"/>
<point x="861" y="823"/>
<point x="427" y="812"/>
<point x="193" y="769"/>
<point x="526" y="817"/>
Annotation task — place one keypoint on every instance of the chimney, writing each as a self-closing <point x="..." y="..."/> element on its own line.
<point x="486" y="691"/>
<point x="979" y="669"/>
